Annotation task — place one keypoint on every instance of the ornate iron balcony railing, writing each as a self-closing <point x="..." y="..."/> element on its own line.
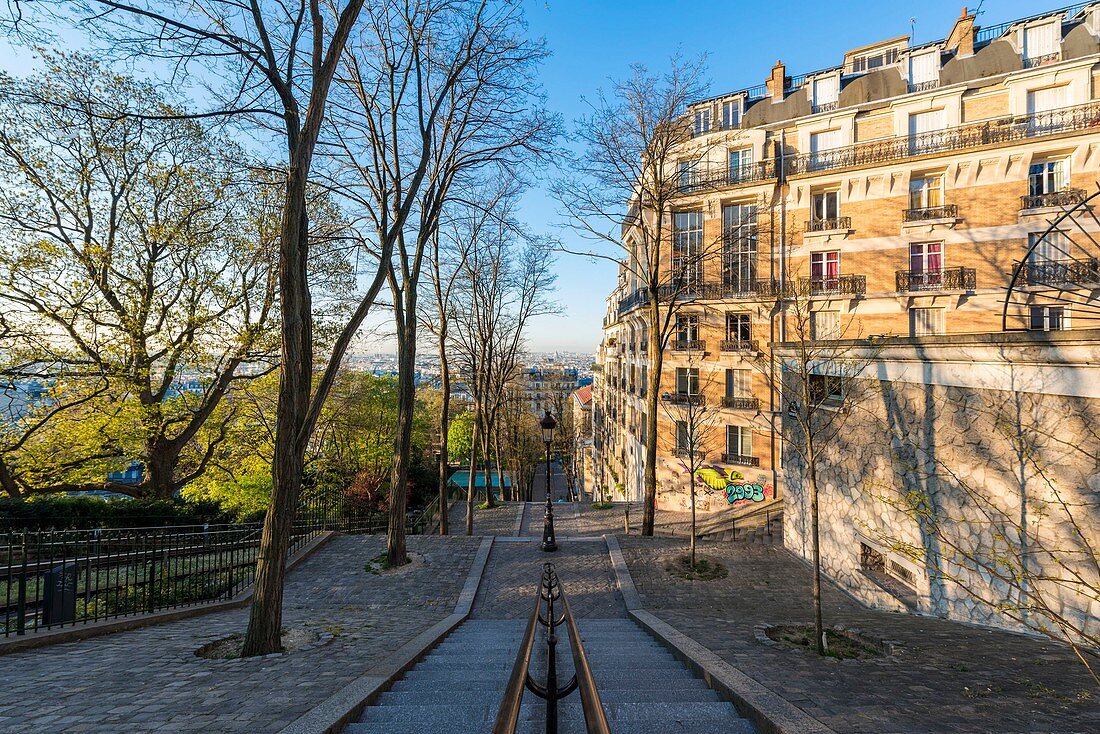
<point x="841" y="284"/>
<point x="945" y="279"/>
<point x="739" y="345"/>
<point x="825" y="106"/>
<point x="1066" y="197"/>
<point x="683" y="398"/>
<point x="739" y="459"/>
<point x="923" y="214"/>
<point x="1063" y="272"/>
<point x="685" y="452"/>
<point x="924" y="86"/>
<point x="737" y="402"/>
<point x="828" y="224"/>
<point x="1032" y="61"/>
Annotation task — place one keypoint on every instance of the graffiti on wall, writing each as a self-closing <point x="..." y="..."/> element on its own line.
<point x="737" y="489"/>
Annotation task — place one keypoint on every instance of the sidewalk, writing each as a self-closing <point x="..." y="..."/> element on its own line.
<point x="945" y="678"/>
<point x="149" y="680"/>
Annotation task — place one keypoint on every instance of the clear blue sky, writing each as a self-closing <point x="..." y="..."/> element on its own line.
<point x="593" y="42"/>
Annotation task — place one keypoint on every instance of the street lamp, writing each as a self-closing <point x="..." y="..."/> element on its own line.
<point x="549" y="544"/>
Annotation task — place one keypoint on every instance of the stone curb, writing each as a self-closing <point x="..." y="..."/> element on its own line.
<point x="338" y="710"/>
<point x="770" y="712"/>
<point x="95" y="629"/>
<point x="517" y="526"/>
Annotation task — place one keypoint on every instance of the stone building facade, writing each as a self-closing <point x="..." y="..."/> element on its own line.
<point x="964" y="481"/>
<point x="897" y="191"/>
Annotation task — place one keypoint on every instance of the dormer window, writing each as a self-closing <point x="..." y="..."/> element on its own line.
<point x="1042" y="44"/>
<point x="826" y="93"/>
<point x="702" y="121"/>
<point x="924" y="71"/>
<point x="731" y="114"/>
<point x="874" y="60"/>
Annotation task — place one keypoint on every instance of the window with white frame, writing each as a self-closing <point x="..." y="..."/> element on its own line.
<point x="926" y="321"/>
<point x="1042" y="43"/>
<point x="1043" y="109"/>
<point x="687" y="380"/>
<point x="731" y="114"/>
<point x="874" y="60"/>
<point x="740" y="164"/>
<point x="923" y="131"/>
<point x="683" y="437"/>
<point x="702" y="121"/>
<point x="826" y="93"/>
<point x="1048" y="318"/>
<point x="687" y="243"/>
<point x="687" y="328"/>
<point x="822" y="145"/>
<point x="1049" y="261"/>
<point x="738" y="441"/>
<point x="738" y="327"/>
<point x="825" y="270"/>
<point x="685" y="174"/>
<point x="926" y="191"/>
<point x="824" y="208"/>
<point x="924" y="70"/>
<point x="739" y="245"/>
<point x="925" y="265"/>
<point x="1045" y="178"/>
<point x="738" y="383"/>
<point x="825" y="324"/>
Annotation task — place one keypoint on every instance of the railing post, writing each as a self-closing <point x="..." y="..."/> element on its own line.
<point x="21" y="606"/>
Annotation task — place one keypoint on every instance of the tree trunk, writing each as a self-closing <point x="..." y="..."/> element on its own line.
<point x="444" y="425"/>
<point x="487" y="453"/>
<point x="472" y="479"/>
<point x="691" y="484"/>
<point x="266" y="614"/>
<point x="815" y="544"/>
<point x="655" y="360"/>
<point x="406" y="405"/>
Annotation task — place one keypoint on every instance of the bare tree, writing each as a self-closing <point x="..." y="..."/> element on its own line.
<point x="621" y="198"/>
<point x="434" y="94"/>
<point x="819" y="374"/>
<point x="693" y="416"/>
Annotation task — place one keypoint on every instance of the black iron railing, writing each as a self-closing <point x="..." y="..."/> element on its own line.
<point x="739" y="345"/>
<point x="997" y="131"/>
<point x="549" y="593"/>
<point x="55" y="578"/>
<point x="683" y="452"/>
<point x="741" y="460"/>
<point x="1064" y="198"/>
<point x="828" y="224"/>
<point x="925" y="213"/>
<point x="739" y="402"/>
<point x="945" y="279"/>
<point x="689" y="345"/>
<point x="840" y="285"/>
<point x="682" y="398"/>
<point x="1085" y="271"/>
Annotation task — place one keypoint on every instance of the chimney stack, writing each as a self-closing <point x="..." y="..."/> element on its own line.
<point x="777" y="82"/>
<point x="961" y="37"/>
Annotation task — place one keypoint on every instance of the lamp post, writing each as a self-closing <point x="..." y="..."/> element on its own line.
<point x="549" y="544"/>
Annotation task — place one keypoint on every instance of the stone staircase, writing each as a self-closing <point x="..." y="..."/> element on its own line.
<point x="457" y="688"/>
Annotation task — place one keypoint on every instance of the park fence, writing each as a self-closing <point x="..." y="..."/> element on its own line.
<point x="58" y="578"/>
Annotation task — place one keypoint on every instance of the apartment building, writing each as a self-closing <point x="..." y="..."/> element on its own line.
<point x="894" y="193"/>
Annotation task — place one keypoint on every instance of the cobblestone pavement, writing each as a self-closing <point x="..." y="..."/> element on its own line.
<point x="514" y="568"/>
<point x="149" y="680"/>
<point x="944" y="678"/>
<point x="498" y="520"/>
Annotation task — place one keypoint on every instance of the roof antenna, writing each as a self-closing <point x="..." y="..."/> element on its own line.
<point x="912" y="31"/>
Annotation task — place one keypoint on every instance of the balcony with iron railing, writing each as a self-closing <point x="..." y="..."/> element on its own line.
<point x="1081" y="272"/>
<point x="740" y="402"/>
<point x="689" y="345"/>
<point x="828" y="224"/>
<point x="825" y="107"/>
<point x="996" y="131"/>
<point x="931" y="213"/>
<point x="839" y="285"/>
<point x="1063" y="198"/>
<point x="924" y="86"/>
<point x="684" y="452"/>
<point x="682" y="398"/>
<point x="739" y="345"/>
<point x="1033" y="61"/>
<point x="944" y="279"/>
<point x="740" y="460"/>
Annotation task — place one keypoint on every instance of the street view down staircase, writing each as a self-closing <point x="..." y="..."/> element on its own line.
<point x="475" y="680"/>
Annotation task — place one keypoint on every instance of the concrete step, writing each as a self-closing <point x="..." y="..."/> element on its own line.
<point x="428" y="713"/>
<point x="422" y="727"/>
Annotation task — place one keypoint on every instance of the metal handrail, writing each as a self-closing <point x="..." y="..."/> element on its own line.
<point x="595" y="720"/>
